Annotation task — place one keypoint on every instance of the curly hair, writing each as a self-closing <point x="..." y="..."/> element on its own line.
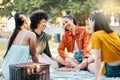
<point x="36" y="17"/>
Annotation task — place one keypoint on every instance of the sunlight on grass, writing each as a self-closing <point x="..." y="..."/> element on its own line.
<point x="3" y="46"/>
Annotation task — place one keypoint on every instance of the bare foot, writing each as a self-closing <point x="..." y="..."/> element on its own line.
<point x="83" y="65"/>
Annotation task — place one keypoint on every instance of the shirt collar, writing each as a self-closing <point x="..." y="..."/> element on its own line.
<point x="76" y="31"/>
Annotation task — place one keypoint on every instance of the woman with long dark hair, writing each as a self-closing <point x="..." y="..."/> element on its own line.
<point x="76" y="40"/>
<point x="106" y="47"/>
<point x="22" y="44"/>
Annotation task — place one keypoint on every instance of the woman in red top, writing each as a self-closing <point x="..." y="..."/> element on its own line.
<point x="77" y="42"/>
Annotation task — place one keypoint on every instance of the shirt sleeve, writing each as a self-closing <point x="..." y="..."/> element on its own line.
<point x="96" y="42"/>
<point x="61" y="48"/>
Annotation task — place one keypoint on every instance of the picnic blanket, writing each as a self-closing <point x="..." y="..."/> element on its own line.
<point x="81" y="75"/>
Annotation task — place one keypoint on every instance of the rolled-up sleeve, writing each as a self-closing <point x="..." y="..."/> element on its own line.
<point x="61" y="48"/>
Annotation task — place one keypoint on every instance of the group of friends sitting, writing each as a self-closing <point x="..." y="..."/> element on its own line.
<point x="29" y="43"/>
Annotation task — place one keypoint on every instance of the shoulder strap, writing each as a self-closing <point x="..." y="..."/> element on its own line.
<point x="23" y="38"/>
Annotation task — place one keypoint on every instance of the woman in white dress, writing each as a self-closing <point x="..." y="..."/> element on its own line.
<point x="21" y="46"/>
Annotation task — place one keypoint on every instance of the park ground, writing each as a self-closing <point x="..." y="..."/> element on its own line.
<point x="81" y="75"/>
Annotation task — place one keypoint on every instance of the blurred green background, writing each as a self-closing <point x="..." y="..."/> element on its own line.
<point x="81" y="9"/>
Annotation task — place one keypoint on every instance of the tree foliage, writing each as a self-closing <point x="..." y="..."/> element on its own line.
<point x="81" y="9"/>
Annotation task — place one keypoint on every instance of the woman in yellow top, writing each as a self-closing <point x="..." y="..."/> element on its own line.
<point x="106" y="47"/>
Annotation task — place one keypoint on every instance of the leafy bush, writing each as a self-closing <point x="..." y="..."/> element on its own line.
<point x="49" y="37"/>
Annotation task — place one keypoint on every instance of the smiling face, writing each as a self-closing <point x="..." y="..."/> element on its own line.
<point x="42" y="24"/>
<point x="67" y="23"/>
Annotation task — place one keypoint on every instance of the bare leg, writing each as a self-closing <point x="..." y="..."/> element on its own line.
<point x="86" y="62"/>
<point x="83" y="64"/>
<point x="60" y="60"/>
<point x="91" y="67"/>
<point x="72" y="61"/>
<point x="91" y="58"/>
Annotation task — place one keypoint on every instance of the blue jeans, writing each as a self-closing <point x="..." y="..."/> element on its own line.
<point x="112" y="71"/>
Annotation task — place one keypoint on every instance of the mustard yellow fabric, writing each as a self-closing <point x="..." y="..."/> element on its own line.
<point x="109" y="45"/>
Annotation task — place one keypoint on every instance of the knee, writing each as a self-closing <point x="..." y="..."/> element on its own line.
<point x="57" y="57"/>
<point x="91" y="67"/>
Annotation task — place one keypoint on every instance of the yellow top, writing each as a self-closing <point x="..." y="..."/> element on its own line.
<point x="109" y="45"/>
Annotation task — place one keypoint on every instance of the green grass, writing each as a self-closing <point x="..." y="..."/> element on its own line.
<point x="3" y="46"/>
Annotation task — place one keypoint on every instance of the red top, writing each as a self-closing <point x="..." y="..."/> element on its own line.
<point x="82" y="38"/>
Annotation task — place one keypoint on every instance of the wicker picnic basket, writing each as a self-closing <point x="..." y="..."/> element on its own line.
<point x="29" y="71"/>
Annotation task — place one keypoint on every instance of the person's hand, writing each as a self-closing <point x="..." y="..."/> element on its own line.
<point x="68" y="62"/>
<point x="70" y="54"/>
<point x="84" y="64"/>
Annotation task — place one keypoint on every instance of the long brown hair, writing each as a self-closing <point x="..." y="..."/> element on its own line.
<point x="101" y="22"/>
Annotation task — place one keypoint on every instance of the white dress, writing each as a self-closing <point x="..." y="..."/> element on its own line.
<point x="16" y="54"/>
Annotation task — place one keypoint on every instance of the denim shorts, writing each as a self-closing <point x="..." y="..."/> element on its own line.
<point x="112" y="71"/>
<point x="78" y="56"/>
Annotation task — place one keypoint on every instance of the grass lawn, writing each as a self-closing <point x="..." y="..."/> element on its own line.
<point x="3" y="47"/>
